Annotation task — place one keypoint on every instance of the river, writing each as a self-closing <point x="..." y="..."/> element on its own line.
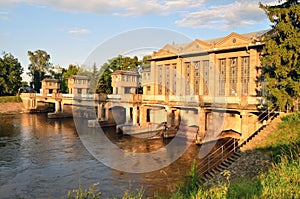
<point x="43" y="158"/>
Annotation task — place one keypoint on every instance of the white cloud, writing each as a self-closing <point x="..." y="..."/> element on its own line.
<point x="224" y="17"/>
<point x="193" y="13"/>
<point x="116" y="7"/>
<point x="78" y="31"/>
<point x="4" y="15"/>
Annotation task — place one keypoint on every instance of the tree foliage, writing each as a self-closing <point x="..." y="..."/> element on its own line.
<point x="72" y="70"/>
<point x="10" y="75"/>
<point x="281" y="58"/>
<point x="117" y="63"/>
<point x="39" y="67"/>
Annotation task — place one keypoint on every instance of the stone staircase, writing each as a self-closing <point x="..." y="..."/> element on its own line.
<point x="247" y="144"/>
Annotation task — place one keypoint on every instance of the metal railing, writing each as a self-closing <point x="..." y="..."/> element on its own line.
<point x="262" y="119"/>
<point x="219" y="155"/>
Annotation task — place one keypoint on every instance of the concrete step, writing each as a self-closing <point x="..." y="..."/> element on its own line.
<point x="218" y="169"/>
<point x="222" y="166"/>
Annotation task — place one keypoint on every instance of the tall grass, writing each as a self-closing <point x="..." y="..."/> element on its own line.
<point x="6" y="99"/>
<point x="287" y="134"/>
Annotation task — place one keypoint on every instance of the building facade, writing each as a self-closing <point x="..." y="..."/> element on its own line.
<point x="50" y="86"/>
<point x="213" y="84"/>
<point x="78" y="85"/>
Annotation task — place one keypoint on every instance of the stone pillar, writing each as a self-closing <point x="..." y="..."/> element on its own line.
<point x="177" y="117"/>
<point x="170" y="117"/>
<point x="128" y="119"/>
<point x="134" y="116"/>
<point x="100" y="112"/>
<point x="201" y="121"/>
<point x="244" y="124"/>
<point x="106" y="113"/>
<point x="57" y="107"/>
<point x="143" y="115"/>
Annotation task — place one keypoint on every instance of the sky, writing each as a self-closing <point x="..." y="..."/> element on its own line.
<point x="71" y="30"/>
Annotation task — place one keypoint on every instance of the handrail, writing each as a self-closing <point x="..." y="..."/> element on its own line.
<point x="217" y="156"/>
<point x="242" y="142"/>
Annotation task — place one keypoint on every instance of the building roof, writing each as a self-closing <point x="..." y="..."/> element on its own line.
<point x="79" y="77"/>
<point x="50" y="80"/>
<point x="249" y="35"/>
<point x="124" y="72"/>
<point x="146" y="70"/>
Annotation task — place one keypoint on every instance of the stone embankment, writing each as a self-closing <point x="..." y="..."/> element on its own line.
<point x="9" y="107"/>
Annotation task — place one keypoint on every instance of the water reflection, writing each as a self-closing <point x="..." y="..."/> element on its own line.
<point x="42" y="158"/>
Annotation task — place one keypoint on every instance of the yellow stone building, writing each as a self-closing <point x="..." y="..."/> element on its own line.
<point x="213" y="84"/>
<point x="78" y="85"/>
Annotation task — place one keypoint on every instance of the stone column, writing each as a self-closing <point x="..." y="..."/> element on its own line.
<point x="201" y="121"/>
<point x="143" y="115"/>
<point x="128" y="119"/>
<point x="177" y="118"/>
<point x="134" y="116"/>
<point x="100" y="112"/>
<point x="57" y="106"/>
<point x="106" y="113"/>
<point x="170" y="117"/>
<point x="244" y="124"/>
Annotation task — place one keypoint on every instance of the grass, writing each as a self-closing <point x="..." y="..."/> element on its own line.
<point x="6" y="99"/>
<point x="287" y="134"/>
<point x="282" y="180"/>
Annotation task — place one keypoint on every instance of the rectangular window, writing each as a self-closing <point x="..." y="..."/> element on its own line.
<point x="167" y="85"/>
<point x="187" y="66"/>
<point x="222" y="76"/>
<point x="160" y="79"/>
<point x="205" y="77"/>
<point x="233" y="77"/>
<point x="148" y="89"/>
<point x="245" y="75"/>
<point x="174" y="66"/>
<point x="196" y="77"/>
<point x="127" y="90"/>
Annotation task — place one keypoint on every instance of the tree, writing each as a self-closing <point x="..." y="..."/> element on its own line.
<point x="72" y="70"/>
<point x="94" y="78"/>
<point x="280" y="57"/>
<point x="117" y="63"/>
<point x="10" y="75"/>
<point x="38" y="68"/>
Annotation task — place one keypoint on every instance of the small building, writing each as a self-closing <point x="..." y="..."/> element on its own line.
<point x="124" y="82"/>
<point x="50" y="86"/>
<point x="78" y="84"/>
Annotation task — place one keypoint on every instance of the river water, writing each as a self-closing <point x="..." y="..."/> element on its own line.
<point x="43" y="158"/>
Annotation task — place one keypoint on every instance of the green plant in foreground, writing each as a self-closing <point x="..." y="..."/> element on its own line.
<point x="191" y="183"/>
<point x="90" y="193"/>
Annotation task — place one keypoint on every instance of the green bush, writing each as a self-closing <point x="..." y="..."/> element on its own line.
<point x="10" y="99"/>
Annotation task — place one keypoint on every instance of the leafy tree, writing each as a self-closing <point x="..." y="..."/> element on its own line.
<point x="117" y="63"/>
<point x="145" y="63"/>
<point x="10" y="75"/>
<point x="281" y="59"/>
<point x="39" y="67"/>
<point x="94" y="78"/>
<point x="72" y="70"/>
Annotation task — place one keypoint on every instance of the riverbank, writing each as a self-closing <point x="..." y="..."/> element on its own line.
<point x="268" y="168"/>
<point x="11" y="107"/>
<point x="11" y="104"/>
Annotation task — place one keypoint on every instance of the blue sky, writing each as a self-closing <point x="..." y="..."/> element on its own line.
<point x="70" y="30"/>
